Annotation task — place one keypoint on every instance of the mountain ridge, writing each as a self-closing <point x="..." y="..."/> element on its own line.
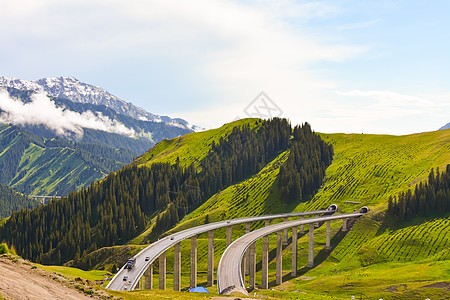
<point x="446" y="126"/>
<point x="35" y="158"/>
<point x="79" y="92"/>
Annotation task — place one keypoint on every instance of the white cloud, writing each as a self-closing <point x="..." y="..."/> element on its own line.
<point x="382" y="112"/>
<point x="359" y="25"/>
<point x="228" y="49"/>
<point x="43" y="111"/>
<point x="389" y="104"/>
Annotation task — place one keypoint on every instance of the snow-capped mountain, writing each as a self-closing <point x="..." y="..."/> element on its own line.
<point x="77" y="91"/>
<point x="446" y="126"/>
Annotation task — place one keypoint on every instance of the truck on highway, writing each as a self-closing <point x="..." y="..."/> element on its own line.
<point x="130" y="263"/>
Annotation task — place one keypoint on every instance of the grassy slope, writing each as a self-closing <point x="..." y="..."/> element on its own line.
<point x="72" y="273"/>
<point x="62" y="167"/>
<point x="366" y="168"/>
<point x="190" y="148"/>
<point x="46" y="170"/>
<point x="369" y="168"/>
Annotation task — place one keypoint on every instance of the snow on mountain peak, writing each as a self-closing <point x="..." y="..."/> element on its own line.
<point x="73" y="89"/>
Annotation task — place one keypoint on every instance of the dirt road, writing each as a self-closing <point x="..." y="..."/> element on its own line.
<point x="19" y="280"/>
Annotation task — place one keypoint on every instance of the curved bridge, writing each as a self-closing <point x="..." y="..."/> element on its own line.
<point x="229" y="272"/>
<point x="147" y="256"/>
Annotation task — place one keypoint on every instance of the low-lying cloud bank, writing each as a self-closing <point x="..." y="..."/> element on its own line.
<point x="43" y="111"/>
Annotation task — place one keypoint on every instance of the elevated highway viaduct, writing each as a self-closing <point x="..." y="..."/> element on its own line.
<point x="157" y="250"/>
<point x="229" y="274"/>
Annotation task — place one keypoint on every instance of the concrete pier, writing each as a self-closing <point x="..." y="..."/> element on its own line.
<point x="265" y="263"/>
<point x="311" y="247"/>
<point x="177" y="268"/>
<point x="162" y="271"/>
<point x="279" y="266"/>
<point x="285" y="233"/>
<point x="210" y="280"/>
<point x="266" y="223"/>
<point x="252" y="262"/>
<point x="193" y="281"/>
<point x="149" y="278"/>
<point x="328" y="239"/>
<point x="302" y="228"/>
<point x="294" y="252"/>
<point x="316" y="224"/>
<point x="247" y="253"/>
<point x="229" y="235"/>
<point x="344" y="224"/>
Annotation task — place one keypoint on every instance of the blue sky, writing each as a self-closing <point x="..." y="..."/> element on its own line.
<point x="343" y="66"/>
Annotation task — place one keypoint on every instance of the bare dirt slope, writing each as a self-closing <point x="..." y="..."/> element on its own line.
<point x="19" y="280"/>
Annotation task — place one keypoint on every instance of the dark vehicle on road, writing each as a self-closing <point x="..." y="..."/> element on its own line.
<point x="130" y="263"/>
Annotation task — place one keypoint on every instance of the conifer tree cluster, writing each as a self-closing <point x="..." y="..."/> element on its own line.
<point x="304" y="170"/>
<point x="429" y="198"/>
<point x="243" y="153"/>
<point x="117" y="208"/>
<point x="12" y="201"/>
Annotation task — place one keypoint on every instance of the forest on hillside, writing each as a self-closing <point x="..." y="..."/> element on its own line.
<point x="116" y="209"/>
<point x="11" y="201"/>
<point x="429" y="198"/>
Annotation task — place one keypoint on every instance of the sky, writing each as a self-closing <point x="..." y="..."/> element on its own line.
<point x="343" y="66"/>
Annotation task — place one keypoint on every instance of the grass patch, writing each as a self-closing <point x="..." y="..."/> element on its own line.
<point x="159" y="294"/>
<point x="72" y="273"/>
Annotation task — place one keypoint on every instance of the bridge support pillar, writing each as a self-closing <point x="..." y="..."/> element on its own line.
<point x="279" y="266"/>
<point x="177" y="268"/>
<point x="285" y="234"/>
<point x="294" y="252"/>
<point x="162" y="271"/>
<point x="265" y="263"/>
<point x="317" y="223"/>
<point x="302" y="227"/>
<point x="328" y="240"/>
<point x="311" y="246"/>
<point x="229" y="235"/>
<point x="210" y="280"/>
<point x="252" y="262"/>
<point x="247" y="253"/>
<point x="266" y="223"/>
<point x="344" y="224"/>
<point x="149" y="277"/>
<point x="193" y="281"/>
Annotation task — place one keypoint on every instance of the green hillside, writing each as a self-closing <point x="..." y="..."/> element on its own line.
<point x="404" y="261"/>
<point x="368" y="259"/>
<point x="12" y="201"/>
<point x="369" y="168"/>
<point x="190" y="148"/>
<point x="36" y="166"/>
<point x="366" y="168"/>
